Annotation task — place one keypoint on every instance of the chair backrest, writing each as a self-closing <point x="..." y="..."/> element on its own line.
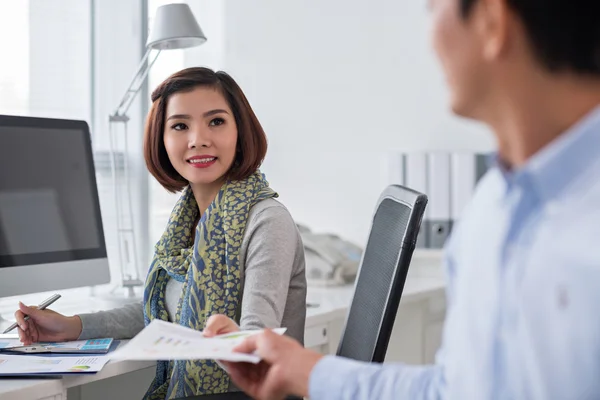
<point x="382" y="273"/>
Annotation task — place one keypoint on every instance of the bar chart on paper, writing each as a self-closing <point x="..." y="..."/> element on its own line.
<point x="30" y="365"/>
<point x="162" y="340"/>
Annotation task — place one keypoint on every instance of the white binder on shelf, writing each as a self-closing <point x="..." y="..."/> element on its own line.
<point x="463" y="172"/>
<point x="396" y="169"/>
<point x="481" y="165"/>
<point x="438" y="189"/>
<point x="416" y="179"/>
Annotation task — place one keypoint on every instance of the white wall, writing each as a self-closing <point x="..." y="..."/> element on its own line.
<point x="337" y="84"/>
<point x="14" y="68"/>
<point x="60" y="59"/>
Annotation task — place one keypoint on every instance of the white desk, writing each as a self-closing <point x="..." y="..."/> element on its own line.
<point x="415" y="338"/>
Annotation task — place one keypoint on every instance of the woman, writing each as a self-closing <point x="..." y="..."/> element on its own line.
<point x="229" y="248"/>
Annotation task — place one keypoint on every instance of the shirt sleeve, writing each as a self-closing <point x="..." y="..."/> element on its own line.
<point x="336" y="378"/>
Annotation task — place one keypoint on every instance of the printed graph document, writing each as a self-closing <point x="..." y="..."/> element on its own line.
<point x="162" y="340"/>
<point x="14" y="365"/>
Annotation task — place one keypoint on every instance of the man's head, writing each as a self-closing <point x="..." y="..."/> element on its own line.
<point x="489" y="47"/>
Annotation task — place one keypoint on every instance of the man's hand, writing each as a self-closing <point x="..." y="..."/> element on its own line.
<point x="284" y="370"/>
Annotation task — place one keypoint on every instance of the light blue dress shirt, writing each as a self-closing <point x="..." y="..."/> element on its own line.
<point x="523" y="270"/>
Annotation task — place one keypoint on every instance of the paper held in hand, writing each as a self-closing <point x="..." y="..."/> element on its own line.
<point x="162" y="340"/>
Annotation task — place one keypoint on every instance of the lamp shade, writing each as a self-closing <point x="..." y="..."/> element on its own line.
<point x="175" y="28"/>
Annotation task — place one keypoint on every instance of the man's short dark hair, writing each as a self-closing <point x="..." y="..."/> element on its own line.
<point x="564" y="34"/>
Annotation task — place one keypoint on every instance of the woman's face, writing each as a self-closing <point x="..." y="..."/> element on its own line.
<point x="200" y="135"/>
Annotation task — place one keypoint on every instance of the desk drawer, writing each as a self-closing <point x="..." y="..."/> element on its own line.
<point x="316" y="336"/>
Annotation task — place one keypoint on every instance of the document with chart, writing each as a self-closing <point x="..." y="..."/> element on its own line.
<point x="162" y="340"/>
<point x="14" y="365"/>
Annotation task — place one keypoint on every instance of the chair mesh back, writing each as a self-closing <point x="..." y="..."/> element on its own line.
<point x="380" y="270"/>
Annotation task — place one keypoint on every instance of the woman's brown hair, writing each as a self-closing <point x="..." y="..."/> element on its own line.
<point x="251" y="142"/>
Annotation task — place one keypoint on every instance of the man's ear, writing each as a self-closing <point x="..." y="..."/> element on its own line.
<point x="492" y="19"/>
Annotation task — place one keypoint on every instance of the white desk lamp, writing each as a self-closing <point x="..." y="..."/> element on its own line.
<point x="174" y="28"/>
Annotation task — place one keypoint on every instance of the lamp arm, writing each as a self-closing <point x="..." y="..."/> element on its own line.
<point x="135" y="85"/>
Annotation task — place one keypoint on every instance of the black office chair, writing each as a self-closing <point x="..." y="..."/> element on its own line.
<point x="382" y="274"/>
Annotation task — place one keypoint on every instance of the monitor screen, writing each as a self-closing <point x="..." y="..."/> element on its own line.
<point x="49" y="208"/>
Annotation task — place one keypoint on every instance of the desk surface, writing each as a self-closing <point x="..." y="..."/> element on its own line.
<point x="424" y="279"/>
<point x="41" y="388"/>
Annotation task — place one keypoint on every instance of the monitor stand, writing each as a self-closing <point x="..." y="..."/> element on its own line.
<point x="129" y="291"/>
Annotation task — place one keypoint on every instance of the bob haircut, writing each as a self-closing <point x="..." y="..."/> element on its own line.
<point x="251" y="142"/>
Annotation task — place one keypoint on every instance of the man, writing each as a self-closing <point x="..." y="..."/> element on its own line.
<point x="523" y="265"/>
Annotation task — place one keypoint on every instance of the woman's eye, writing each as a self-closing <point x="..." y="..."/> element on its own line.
<point x="179" y="127"/>
<point x="217" y="122"/>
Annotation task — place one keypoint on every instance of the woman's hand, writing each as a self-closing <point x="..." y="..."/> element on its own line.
<point x="46" y="325"/>
<point x="218" y="325"/>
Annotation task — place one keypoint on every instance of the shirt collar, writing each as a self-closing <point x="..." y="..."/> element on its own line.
<point x="550" y="170"/>
<point x="563" y="160"/>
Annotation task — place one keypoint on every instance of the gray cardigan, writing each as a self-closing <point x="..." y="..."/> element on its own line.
<point x="273" y="278"/>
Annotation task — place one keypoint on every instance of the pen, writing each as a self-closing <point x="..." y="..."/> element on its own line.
<point x="42" y="306"/>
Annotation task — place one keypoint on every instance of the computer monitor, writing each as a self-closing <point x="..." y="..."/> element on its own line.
<point x="51" y="234"/>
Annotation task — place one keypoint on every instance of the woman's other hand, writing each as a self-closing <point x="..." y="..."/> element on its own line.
<point x="218" y="325"/>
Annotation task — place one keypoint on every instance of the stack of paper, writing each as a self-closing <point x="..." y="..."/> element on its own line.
<point x="14" y="364"/>
<point x="162" y="340"/>
<point x="31" y="365"/>
<point x="92" y="346"/>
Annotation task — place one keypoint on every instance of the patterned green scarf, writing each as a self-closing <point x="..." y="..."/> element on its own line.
<point x="208" y="264"/>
